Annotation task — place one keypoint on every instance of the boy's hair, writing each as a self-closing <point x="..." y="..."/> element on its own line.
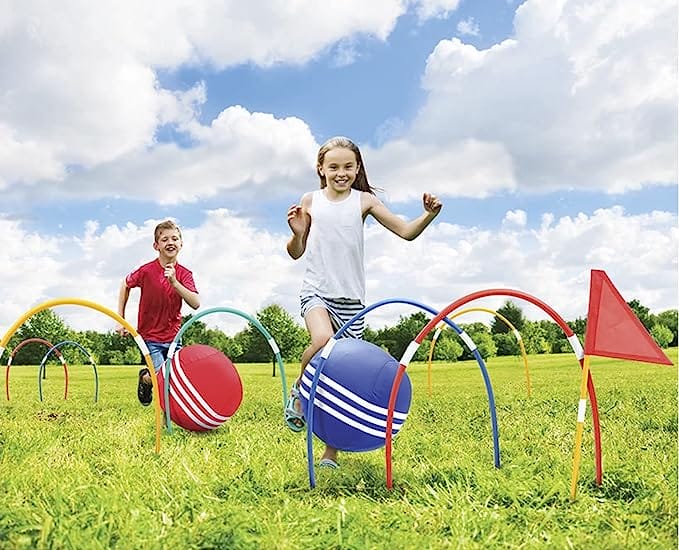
<point x="340" y="142"/>
<point x="162" y="226"/>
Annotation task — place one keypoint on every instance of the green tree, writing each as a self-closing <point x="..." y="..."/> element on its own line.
<point x="579" y="326"/>
<point x="448" y="346"/>
<point x="506" y="344"/>
<point x="669" y="319"/>
<point x="512" y="313"/>
<point x="290" y="337"/>
<point x="44" y="324"/>
<point x="642" y="312"/>
<point x="535" y="338"/>
<point x="481" y="336"/>
<point x="662" y="335"/>
<point x="397" y="338"/>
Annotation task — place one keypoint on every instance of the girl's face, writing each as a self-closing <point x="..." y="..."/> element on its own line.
<point x="340" y="168"/>
<point x="169" y="243"/>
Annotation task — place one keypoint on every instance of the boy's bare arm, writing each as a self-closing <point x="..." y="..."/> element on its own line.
<point x="123" y="296"/>
<point x="187" y="295"/>
<point x="191" y="298"/>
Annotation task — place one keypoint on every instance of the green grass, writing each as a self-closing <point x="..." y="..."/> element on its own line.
<point x="75" y="474"/>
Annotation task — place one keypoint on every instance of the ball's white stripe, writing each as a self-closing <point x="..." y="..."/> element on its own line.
<point x="180" y="376"/>
<point x="352" y="396"/>
<point x="337" y="401"/>
<point x="186" y="399"/>
<point x="183" y="399"/>
<point x="188" y="412"/>
<point x="353" y="423"/>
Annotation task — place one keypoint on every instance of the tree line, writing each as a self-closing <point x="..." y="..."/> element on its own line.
<point x="249" y="346"/>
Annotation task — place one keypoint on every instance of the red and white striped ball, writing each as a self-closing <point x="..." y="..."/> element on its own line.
<point x="205" y="388"/>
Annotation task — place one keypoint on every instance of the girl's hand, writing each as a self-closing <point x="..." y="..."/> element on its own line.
<point x="297" y="220"/>
<point x="431" y="203"/>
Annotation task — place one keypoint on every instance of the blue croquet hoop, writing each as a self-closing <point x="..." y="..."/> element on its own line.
<point x="185" y="326"/>
<point x="327" y="349"/>
<point x="56" y="347"/>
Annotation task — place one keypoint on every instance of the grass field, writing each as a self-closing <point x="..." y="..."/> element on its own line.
<point x="75" y="474"/>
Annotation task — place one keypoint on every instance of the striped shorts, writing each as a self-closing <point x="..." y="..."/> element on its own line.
<point x="340" y="311"/>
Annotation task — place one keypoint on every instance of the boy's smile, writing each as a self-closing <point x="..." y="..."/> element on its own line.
<point x="169" y="244"/>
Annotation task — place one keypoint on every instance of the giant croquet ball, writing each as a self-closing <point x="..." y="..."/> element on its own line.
<point x="352" y="396"/>
<point x="205" y="388"/>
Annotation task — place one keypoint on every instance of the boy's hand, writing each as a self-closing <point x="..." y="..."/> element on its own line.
<point x="170" y="274"/>
<point x="297" y="219"/>
<point x="431" y="203"/>
<point x="120" y="329"/>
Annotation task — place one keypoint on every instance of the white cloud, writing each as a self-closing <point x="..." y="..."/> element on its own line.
<point x="580" y="97"/>
<point x="468" y="27"/>
<point x="405" y="169"/>
<point x="516" y="217"/>
<point x="237" y="265"/>
<point x="80" y="86"/>
<point x="426" y="9"/>
<point x="238" y="148"/>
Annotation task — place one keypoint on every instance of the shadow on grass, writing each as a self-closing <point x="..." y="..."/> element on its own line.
<point x="618" y="485"/>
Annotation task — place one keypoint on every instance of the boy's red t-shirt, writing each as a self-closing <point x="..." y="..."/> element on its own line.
<point x="159" y="317"/>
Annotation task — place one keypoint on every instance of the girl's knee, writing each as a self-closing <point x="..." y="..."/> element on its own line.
<point x="318" y="341"/>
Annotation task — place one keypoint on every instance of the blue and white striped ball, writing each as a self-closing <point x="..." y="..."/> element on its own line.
<point x="352" y="396"/>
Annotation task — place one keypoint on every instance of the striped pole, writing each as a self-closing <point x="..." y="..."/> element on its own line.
<point x="582" y="407"/>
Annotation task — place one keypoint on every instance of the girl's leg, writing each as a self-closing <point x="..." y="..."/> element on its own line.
<point x="320" y="329"/>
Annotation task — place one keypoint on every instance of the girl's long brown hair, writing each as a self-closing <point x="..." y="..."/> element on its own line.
<point x="340" y="142"/>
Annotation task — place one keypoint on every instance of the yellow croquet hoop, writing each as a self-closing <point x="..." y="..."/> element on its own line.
<point x="492" y="312"/>
<point x="92" y="305"/>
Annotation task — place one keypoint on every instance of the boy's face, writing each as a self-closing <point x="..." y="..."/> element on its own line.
<point x="169" y="243"/>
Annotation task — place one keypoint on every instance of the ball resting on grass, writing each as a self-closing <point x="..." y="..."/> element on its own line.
<point x="205" y="388"/>
<point x="352" y="396"/>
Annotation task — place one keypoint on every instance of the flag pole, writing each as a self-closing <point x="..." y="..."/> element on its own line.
<point x="582" y="406"/>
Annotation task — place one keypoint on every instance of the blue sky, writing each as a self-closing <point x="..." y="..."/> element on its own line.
<point x="548" y="128"/>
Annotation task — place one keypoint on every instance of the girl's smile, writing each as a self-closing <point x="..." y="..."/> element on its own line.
<point x="339" y="168"/>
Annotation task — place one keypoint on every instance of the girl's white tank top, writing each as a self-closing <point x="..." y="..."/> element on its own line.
<point x="334" y="251"/>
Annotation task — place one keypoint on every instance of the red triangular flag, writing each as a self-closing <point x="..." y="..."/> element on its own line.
<point x="613" y="330"/>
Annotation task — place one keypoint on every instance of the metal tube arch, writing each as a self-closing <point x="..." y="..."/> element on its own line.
<point x="56" y="348"/>
<point x="113" y="315"/>
<point x="483" y="294"/>
<point x="399" y="375"/>
<point x="21" y="345"/>
<point x="506" y="321"/>
<point x="187" y="324"/>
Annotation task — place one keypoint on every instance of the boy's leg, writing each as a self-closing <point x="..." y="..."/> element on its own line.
<point x="158" y="352"/>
